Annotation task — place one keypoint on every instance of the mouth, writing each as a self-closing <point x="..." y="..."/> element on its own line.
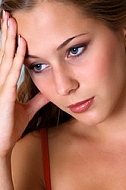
<point x="82" y="106"/>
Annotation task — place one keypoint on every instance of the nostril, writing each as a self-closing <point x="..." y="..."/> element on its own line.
<point x="67" y="87"/>
<point x="65" y="83"/>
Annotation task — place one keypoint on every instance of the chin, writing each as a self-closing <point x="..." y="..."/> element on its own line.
<point x="92" y="119"/>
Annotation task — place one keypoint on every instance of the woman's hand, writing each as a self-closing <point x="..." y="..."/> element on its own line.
<point x="14" y="116"/>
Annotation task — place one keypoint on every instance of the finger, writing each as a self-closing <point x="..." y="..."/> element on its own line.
<point x="14" y="74"/>
<point x="35" y="104"/>
<point x="10" y="45"/>
<point x="9" y="50"/>
<point x="3" y="33"/>
<point x="10" y="85"/>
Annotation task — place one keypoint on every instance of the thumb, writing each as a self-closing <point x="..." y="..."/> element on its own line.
<point x="35" y="104"/>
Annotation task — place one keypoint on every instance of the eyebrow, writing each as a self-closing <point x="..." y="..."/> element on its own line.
<point x="30" y="56"/>
<point x="60" y="47"/>
<point x="69" y="40"/>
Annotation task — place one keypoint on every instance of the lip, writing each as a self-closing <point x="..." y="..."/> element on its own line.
<point x="82" y="106"/>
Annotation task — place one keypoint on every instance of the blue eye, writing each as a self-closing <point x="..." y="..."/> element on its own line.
<point x="38" y="67"/>
<point x="76" y="51"/>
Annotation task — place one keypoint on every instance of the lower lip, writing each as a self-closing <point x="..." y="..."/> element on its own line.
<point x="82" y="106"/>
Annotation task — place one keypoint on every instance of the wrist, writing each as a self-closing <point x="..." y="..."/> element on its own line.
<point x="5" y="173"/>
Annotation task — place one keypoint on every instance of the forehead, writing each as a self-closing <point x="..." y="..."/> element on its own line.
<point x="50" y="23"/>
<point x="45" y="13"/>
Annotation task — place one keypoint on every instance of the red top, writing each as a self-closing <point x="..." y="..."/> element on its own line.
<point x="46" y="161"/>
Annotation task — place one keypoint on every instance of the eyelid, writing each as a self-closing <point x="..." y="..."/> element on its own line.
<point x="78" y="45"/>
<point x="81" y="45"/>
<point x="35" y="64"/>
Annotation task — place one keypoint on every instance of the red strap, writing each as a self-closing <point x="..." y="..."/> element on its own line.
<point x="46" y="161"/>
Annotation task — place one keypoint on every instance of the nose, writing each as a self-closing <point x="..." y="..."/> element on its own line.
<point x="65" y="83"/>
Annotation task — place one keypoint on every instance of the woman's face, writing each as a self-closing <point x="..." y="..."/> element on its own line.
<point x="76" y="62"/>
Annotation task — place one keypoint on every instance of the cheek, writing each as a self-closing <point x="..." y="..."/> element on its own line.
<point x="46" y="87"/>
<point x="107" y="60"/>
<point x="98" y="64"/>
<point x="98" y="69"/>
<point x="109" y="76"/>
<point x="41" y="84"/>
<point x="102" y="72"/>
<point x="105" y="65"/>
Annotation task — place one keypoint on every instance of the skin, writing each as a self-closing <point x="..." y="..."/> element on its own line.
<point x="89" y="152"/>
<point x="99" y="72"/>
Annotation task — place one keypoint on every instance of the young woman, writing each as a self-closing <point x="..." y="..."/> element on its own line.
<point x="74" y="111"/>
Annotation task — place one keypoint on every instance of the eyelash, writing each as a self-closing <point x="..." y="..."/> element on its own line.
<point x="81" y="47"/>
<point x="39" y="65"/>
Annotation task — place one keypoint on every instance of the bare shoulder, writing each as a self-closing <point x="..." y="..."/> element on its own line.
<point x="27" y="163"/>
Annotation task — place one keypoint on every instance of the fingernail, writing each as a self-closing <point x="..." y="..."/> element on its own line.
<point x="3" y="14"/>
<point x="8" y="23"/>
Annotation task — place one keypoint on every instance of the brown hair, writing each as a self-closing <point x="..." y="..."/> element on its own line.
<point x="111" y="12"/>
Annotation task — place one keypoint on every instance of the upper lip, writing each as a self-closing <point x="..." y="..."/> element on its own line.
<point x="79" y="103"/>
